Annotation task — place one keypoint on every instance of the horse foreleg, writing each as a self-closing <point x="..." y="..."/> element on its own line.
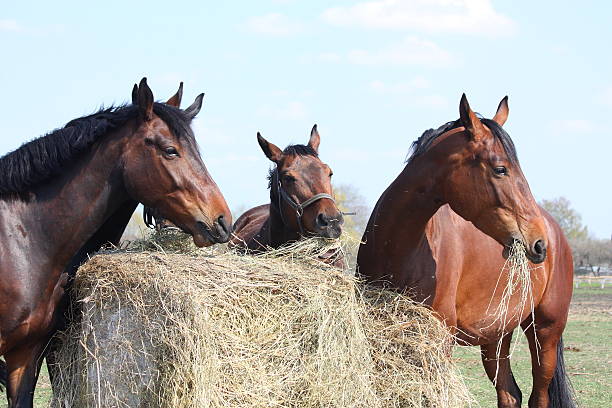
<point x="543" y="361"/>
<point x="23" y="366"/>
<point x="500" y="373"/>
<point x="23" y="362"/>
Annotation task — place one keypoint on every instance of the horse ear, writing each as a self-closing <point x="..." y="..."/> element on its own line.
<point x="135" y="95"/>
<point x="145" y="100"/>
<point x="195" y="107"/>
<point x="271" y="151"/>
<point x="469" y="120"/>
<point x="502" y="112"/>
<point x="175" y="100"/>
<point x="315" y="139"/>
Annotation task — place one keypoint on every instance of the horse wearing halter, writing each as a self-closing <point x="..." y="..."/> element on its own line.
<point x="297" y="206"/>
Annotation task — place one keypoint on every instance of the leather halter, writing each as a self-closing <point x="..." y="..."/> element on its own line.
<point x="298" y="207"/>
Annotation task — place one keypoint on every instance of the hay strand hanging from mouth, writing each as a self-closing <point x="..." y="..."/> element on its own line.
<point x="519" y="290"/>
<point x="200" y="330"/>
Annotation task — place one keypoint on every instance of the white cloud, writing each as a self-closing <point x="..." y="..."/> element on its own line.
<point x="209" y="135"/>
<point x="401" y="87"/>
<point x="432" y="16"/>
<point x="411" y="51"/>
<point x="292" y="110"/>
<point x="606" y="96"/>
<point x="573" y="126"/>
<point x="432" y="101"/>
<point x="411" y="91"/>
<point x="329" y="57"/>
<point x="13" y="26"/>
<point x="275" y="24"/>
<point x="10" y="26"/>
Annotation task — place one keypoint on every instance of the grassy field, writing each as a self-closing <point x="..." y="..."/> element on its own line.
<point x="588" y="356"/>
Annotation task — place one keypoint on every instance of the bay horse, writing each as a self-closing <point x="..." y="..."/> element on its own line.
<point x="441" y="231"/>
<point x="64" y="195"/>
<point x="301" y="201"/>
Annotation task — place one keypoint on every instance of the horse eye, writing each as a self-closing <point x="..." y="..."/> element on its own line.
<point x="171" y="151"/>
<point x="500" y="170"/>
<point x="331" y="173"/>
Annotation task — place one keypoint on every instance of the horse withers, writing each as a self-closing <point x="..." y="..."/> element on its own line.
<point x="301" y="201"/>
<point x="64" y="195"/>
<point x="441" y="231"/>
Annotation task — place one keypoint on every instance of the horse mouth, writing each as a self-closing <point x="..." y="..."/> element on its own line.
<point x="203" y="235"/>
<point x="535" y="257"/>
<point x="330" y="233"/>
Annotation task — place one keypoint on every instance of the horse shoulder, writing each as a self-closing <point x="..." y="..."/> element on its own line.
<point x="559" y="273"/>
<point x="445" y="236"/>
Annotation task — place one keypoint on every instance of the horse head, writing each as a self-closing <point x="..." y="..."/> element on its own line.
<point x="300" y="188"/>
<point x="478" y="174"/>
<point x="163" y="169"/>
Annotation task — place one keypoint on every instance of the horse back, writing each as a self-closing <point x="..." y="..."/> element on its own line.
<point x="249" y="228"/>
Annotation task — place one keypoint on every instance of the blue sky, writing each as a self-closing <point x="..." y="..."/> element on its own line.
<point x="372" y="74"/>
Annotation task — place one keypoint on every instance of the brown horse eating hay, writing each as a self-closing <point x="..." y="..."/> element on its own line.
<point x="301" y="200"/>
<point x="441" y="230"/>
<point x="64" y="195"/>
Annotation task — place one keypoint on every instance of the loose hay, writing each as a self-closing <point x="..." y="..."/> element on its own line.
<point x="517" y="271"/>
<point x="280" y="330"/>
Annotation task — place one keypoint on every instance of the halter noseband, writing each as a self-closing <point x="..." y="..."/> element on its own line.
<point x="298" y="207"/>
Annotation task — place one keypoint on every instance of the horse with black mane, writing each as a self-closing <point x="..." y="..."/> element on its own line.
<point x="64" y="195"/>
<point x="441" y="231"/>
<point x="301" y="201"/>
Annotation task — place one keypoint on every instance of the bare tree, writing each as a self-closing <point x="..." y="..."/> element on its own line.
<point x="357" y="212"/>
<point x="590" y="254"/>
<point x="568" y="218"/>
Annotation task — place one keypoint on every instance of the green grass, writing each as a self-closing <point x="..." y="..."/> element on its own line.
<point x="588" y="356"/>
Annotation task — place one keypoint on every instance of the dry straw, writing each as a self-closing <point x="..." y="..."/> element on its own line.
<point x="198" y="329"/>
<point x="516" y="298"/>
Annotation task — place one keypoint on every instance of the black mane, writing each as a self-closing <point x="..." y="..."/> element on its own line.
<point x="423" y="143"/>
<point x="47" y="156"/>
<point x="295" y="150"/>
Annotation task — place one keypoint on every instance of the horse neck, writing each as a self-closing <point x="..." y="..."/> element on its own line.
<point x="413" y="200"/>
<point x="76" y="203"/>
<point x="279" y="232"/>
<point x="407" y="205"/>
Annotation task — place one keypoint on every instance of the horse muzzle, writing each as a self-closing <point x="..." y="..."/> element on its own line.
<point x="329" y="227"/>
<point x="535" y="253"/>
<point x="219" y="233"/>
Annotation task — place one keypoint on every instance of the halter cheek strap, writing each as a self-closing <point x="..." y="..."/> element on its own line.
<point x="298" y="207"/>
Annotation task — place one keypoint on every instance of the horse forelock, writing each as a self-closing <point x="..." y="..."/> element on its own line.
<point x="292" y="150"/>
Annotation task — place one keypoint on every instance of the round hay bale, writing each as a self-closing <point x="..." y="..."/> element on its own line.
<point x="200" y="330"/>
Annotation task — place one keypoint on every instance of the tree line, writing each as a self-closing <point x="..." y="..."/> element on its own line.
<point x="591" y="255"/>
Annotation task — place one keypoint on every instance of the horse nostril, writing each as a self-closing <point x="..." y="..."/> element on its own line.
<point x="539" y="247"/>
<point x="223" y="228"/>
<point x="322" y="221"/>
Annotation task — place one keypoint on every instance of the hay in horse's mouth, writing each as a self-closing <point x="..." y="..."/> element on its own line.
<point x="517" y="270"/>
<point x="222" y="330"/>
